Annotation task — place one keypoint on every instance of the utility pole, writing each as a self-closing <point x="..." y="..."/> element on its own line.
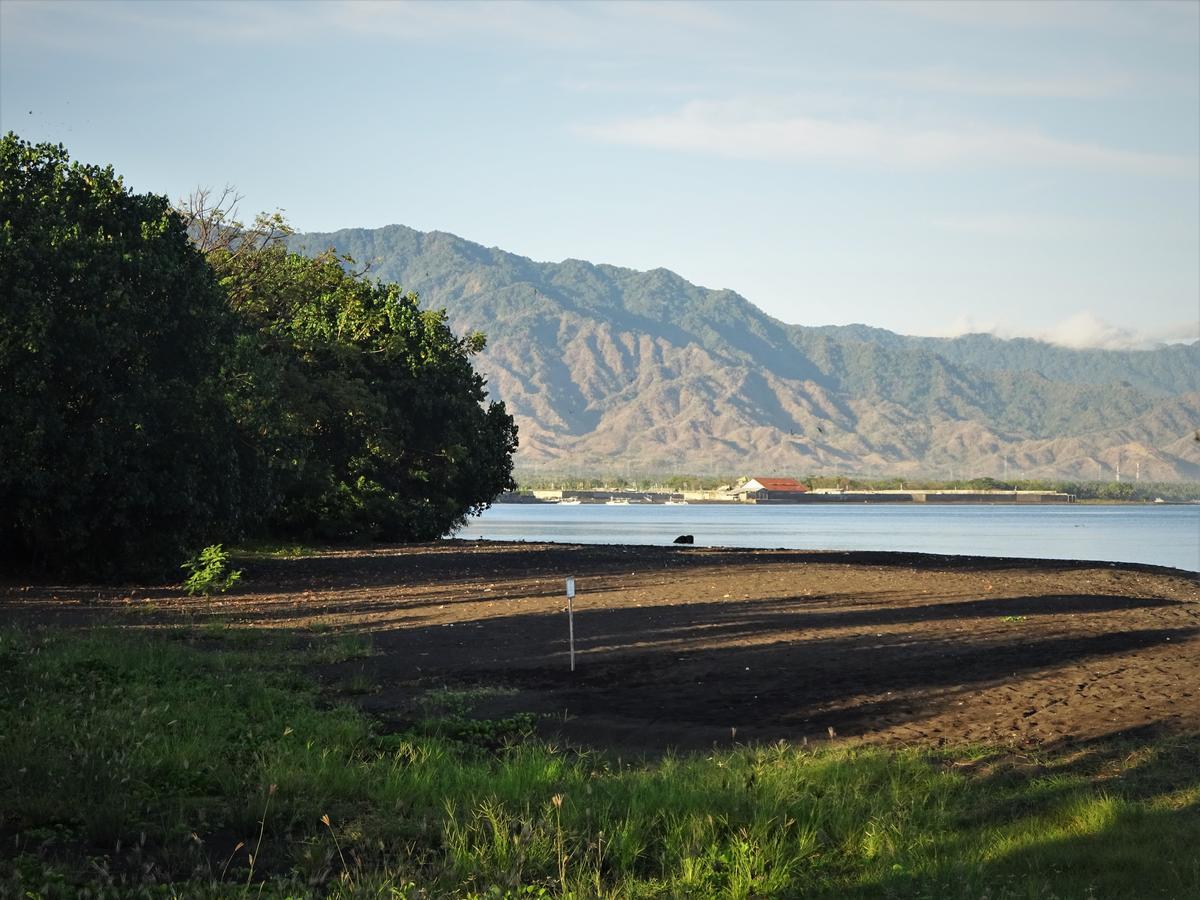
<point x="1138" y="470"/>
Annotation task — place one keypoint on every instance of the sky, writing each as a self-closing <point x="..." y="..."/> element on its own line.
<point x="932" y="168"/>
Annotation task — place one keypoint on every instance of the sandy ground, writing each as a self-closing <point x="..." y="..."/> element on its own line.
<point x="686" y="648"/>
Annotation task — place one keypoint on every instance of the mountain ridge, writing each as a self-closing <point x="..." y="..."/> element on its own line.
<point x="610" y="367"/>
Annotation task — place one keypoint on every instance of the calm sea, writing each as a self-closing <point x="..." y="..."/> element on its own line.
<point x="1163" y="535"/>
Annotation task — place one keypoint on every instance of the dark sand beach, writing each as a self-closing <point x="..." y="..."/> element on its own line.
<point x="685" y="648"/>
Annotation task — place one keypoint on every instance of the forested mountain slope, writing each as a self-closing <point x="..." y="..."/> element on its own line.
<point x="606" y="367"/>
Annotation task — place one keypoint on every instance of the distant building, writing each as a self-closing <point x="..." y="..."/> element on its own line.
<point x="762" y="490"/>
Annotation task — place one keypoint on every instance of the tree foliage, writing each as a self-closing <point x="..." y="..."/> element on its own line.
<point x="361" y="413"/>
<point x="115" y="441"/>
<point x="168" y="377"/>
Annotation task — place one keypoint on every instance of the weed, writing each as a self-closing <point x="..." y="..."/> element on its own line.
<point x="559" y="854"/>
<point x="459" y="701"/>
<point x="275" y="550"/>
<point x="359" y="683"/>
<point x="341" y="648"/>
<point x="262" y="827"/>
<point x="215" y="629"/>
<point x="345" y="869"/>
<point x="209" y="573"/>
<point x="448" y="714"/>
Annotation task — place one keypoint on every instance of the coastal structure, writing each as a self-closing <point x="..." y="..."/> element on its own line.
<point x="766" y="490"/>
<point x="781" y="490"/>
<point x="945" y="495"/>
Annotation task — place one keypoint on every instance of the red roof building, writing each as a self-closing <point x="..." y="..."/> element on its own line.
<point x="770" y="489"/>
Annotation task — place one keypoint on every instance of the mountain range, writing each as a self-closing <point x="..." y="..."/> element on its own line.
<point x="608" y="369"/>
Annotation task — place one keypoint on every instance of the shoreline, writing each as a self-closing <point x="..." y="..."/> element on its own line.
<point x="1151" y="534"/>
<point x="858" y="498"/>
<point x="623" y="497"/>
<point x="12" y="587"/>
<point x="911" y="558"/>
<point x="676" y="646"/>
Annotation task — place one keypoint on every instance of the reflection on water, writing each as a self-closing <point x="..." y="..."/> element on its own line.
<point x="1160" y="535"/>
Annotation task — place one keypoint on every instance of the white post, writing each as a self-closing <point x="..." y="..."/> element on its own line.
<point x="571" y="618"/>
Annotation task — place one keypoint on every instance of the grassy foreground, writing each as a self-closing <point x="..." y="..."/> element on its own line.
<point x="206" y="763"/>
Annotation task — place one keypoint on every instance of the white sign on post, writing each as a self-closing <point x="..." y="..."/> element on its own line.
<point x="571" y="618"/>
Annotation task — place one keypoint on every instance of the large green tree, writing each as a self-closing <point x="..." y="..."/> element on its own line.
<point x="361" y="414"/>
<point x="169" y="379"/>
<point x="116" y="450"/>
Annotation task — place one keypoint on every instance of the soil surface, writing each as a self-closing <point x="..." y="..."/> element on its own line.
<point x="688" y="647"/>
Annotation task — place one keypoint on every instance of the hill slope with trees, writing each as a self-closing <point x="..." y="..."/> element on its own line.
<point x="609" y="367"/>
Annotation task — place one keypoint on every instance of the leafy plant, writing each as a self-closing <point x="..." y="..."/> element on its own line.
<point x="362" y="414"/>
<point x="209" y="573"/>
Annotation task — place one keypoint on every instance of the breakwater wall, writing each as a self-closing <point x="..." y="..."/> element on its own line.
<point x="817" y="496"/>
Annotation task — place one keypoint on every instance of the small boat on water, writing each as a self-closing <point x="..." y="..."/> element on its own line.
<point x="675" y="503"/>
<point x="569" y="501"/>
<point x="616" y="501"/>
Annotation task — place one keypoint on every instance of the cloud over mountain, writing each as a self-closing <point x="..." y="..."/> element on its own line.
<point x="1081" y="331"/>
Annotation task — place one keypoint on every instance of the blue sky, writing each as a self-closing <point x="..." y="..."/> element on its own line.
<point x="928" y="167"/>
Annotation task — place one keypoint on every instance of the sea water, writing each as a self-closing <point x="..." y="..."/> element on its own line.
<point x="1158" y="534"/>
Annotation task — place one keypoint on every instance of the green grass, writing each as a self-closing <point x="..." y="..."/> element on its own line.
<point x="338" y="648"/>
<point x="138" y="764"/>
<point x="263" y="549"/>
<point x="360" y="683"/>
<point x="459" y="701"/>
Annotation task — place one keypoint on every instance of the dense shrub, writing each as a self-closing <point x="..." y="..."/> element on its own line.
<point x="116" y="449"/>
<point x="360" y="413"/>
<point x="167" y="379"/>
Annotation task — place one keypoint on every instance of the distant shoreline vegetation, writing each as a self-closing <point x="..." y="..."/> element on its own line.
<point x="1101" y="491"/>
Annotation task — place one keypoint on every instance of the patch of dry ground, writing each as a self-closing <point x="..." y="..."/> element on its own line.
<point x="680" y="646"/>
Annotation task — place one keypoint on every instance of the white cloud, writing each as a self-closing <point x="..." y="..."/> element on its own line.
<point x="526" y="23"/>
<point x="641" y="87"/>
<point x="756" y="130"/>
<point x="1083" y="330"/>
<point x="675" y="15"/>
<point x="511" y="19"/>
<point x="1022" y="225"/>
<point x="1011" y="13"/>
<point x="1086" y="329"/>
<point x="1077" y="86"/>
<point x="1177" y="19"/>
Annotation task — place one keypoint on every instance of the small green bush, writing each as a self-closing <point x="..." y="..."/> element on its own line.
<point x="208" y="572"/>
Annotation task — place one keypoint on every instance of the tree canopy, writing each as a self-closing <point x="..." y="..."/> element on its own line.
<point x="361" y="413"/>
<point x="116" y="444"/>
<point x="167" y="379"/>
